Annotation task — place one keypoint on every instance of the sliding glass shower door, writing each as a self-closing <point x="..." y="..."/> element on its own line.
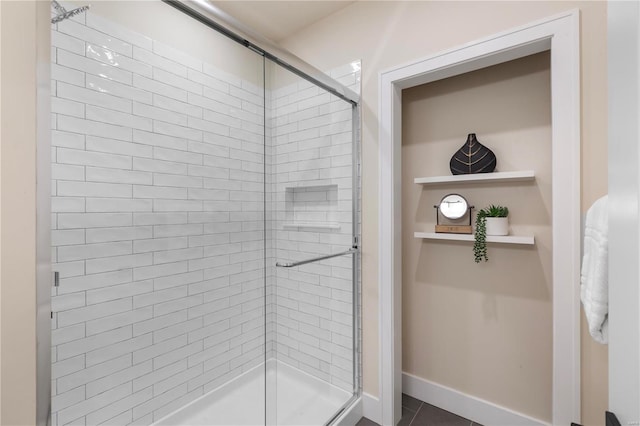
<point x="158" y="220"/>
<point x="313" y="248"/>
<point x="204" y="222"/>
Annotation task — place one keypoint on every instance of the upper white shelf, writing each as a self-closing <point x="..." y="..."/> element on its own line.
<point x="478" y="178"/>
<point x="507" y="239"/>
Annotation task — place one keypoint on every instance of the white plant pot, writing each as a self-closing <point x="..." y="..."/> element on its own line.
<point x="497" y="226"/>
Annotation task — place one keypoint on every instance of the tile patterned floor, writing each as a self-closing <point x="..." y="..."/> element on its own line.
<point x="418" y="413"/>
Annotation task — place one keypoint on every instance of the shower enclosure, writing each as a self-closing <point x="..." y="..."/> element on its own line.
<point x="205" y="224"/>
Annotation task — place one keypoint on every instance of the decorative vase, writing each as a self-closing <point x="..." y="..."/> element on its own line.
<point x="497" y="225"/>
<point x="472" y="158"/>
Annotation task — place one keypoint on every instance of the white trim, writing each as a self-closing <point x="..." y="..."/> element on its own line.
<point x="371" y="408"/>
<point x="559" y="34"/>
<point x="470" y="407"/>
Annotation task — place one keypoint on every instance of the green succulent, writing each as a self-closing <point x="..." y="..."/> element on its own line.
<point x="480" y="241"/>
<point x="494" y="211"/>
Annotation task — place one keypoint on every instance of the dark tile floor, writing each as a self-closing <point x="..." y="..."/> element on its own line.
<point x="418" y="413"/>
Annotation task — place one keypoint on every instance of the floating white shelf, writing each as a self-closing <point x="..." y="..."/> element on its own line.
<point x="319" y="225"/>
<point x="519" y="176"/>
<point x="507" y="239"/>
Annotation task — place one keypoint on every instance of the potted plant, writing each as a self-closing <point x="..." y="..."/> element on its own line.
<point x="492" y="220"/>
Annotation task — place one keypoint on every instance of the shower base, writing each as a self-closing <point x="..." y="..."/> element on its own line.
<point x="294" y="397"/>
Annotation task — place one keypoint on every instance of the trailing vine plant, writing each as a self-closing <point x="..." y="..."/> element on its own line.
<point x="480" y="241"/>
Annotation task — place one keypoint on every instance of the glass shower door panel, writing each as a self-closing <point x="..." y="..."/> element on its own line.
<point x="312" y="207"/>
<point x="158" y="221"/>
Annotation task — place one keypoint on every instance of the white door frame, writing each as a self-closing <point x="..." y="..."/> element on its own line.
<point x="559" y="34"/>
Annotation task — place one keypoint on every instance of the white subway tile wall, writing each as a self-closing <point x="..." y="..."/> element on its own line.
<point x="158" y="226"/>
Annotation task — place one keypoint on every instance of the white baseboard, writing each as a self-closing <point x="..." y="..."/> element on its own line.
<point x="464" y="405"/>
<point x="371" y="408"/>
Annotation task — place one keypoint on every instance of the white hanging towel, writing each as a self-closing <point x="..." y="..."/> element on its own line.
<point x="594" y="289"/>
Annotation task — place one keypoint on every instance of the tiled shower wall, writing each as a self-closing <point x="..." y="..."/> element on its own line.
<point x="157" y="225"/>
<point x="312" y="200"/>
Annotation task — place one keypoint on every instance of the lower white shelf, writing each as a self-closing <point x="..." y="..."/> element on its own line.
<point x="507" y="239"/>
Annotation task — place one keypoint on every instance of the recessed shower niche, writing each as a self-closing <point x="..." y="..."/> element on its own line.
<point x="313" y="206"/>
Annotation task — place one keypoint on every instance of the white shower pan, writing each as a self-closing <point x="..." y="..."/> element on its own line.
<point x="295" y="398"/>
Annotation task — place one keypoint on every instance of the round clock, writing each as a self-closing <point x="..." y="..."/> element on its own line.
<point x="453" y="206"/>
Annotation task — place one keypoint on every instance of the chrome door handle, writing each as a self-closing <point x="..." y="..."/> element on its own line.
<point x="316" y="259"/>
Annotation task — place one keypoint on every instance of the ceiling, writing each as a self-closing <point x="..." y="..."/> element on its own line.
<point x="277" y="20"/>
